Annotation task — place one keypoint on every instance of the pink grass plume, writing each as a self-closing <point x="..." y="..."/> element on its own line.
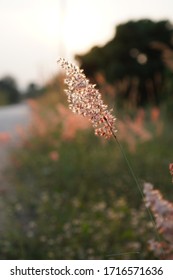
<point x="84" y="99"/>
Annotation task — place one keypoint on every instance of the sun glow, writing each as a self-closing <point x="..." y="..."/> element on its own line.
<point x="36" y="33"/>
<point x="81" y="30"/>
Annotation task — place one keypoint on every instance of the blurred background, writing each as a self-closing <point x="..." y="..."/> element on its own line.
<point x="65" y="193"/>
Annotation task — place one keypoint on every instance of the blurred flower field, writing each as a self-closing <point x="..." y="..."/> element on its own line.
<point x="73" y="196"/>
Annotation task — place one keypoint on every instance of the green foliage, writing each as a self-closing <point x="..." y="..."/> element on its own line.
<point x="84" y="205"/>
<point x="3" y="98"/>
<point x="74" y="198"/>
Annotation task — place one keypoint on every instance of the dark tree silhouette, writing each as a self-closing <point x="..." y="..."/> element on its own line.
<point x="9" y="89"/>
<point x="131" y="61"/>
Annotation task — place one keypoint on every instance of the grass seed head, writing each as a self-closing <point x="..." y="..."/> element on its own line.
<point x="84" y="99"/>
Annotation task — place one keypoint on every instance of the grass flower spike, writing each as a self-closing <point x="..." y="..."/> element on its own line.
<point x="85" y="99"/>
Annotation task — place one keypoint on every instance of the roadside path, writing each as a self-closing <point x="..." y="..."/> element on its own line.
<point x="10" y="117"/>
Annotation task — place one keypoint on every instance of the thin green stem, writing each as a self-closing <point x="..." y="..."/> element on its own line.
<point x="138" y="186"/>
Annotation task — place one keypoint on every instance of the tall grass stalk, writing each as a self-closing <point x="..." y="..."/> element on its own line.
<point x="84" y="99"/>
<point x="139" y="189"/>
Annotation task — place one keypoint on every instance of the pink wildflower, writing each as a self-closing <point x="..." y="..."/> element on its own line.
<point x="4" y="137"/>
<point x="171" y="168"/>
<point x="163" y="213"/>
<point x="85" y="100"/>
<point x="54" y="155"/>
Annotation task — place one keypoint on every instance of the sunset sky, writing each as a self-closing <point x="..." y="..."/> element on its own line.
<point x="35" y="33"/>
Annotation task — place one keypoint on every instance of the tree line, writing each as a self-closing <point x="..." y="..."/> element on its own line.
<point x="135" y="67"/>
<point x="11" y="94"/>
<point x="137" y="62"/>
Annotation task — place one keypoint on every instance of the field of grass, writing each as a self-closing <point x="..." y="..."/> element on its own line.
<point x="74" y="197"/>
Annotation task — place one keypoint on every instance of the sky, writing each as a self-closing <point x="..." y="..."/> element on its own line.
<point x="35" y="33"/>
